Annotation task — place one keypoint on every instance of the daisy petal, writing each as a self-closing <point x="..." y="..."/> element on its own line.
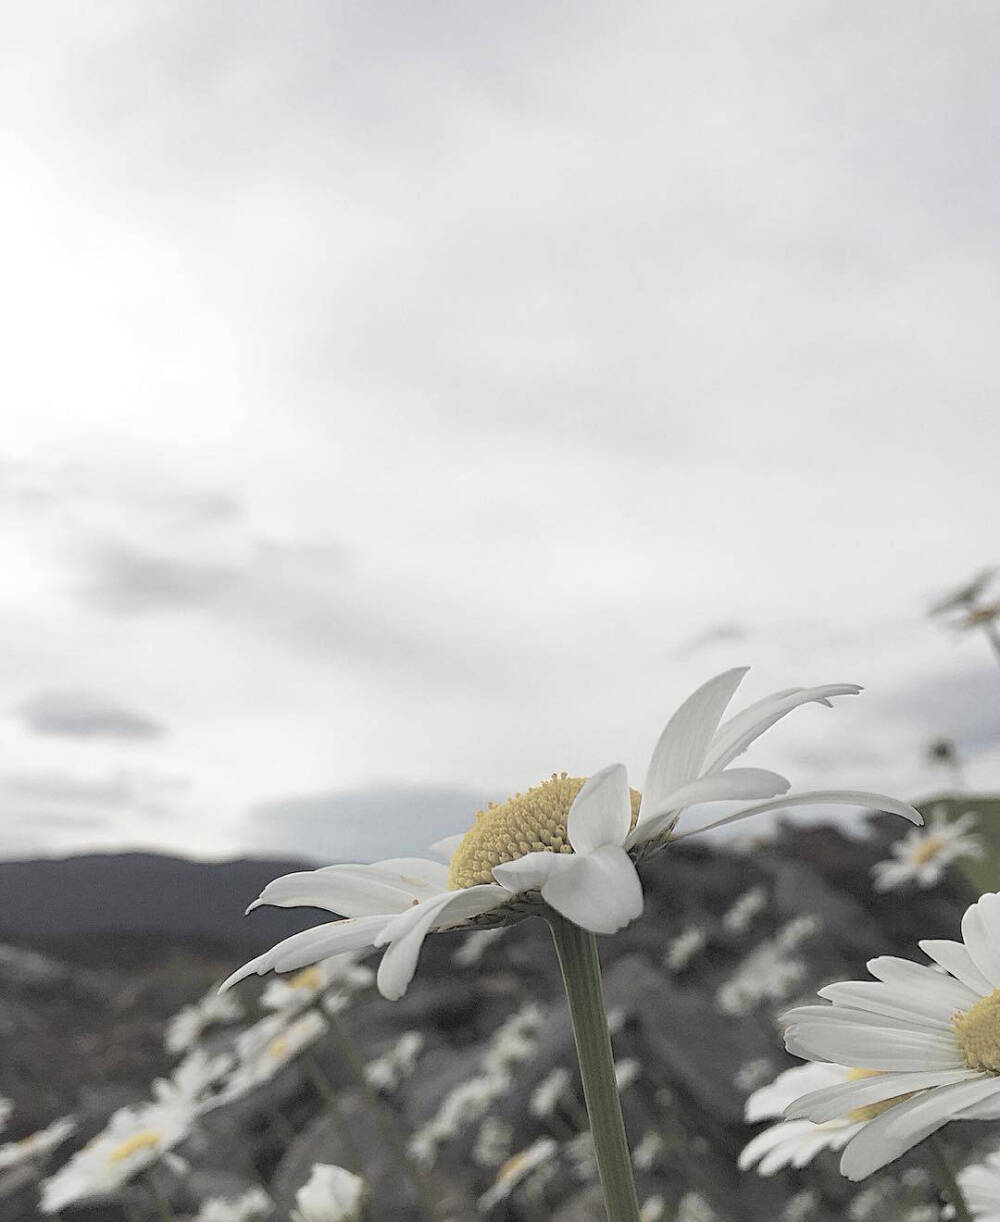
<point x="835" y="1101"/>
<point x="311" y="945"/>
<point x="733" y="784"/>
<point x="980" y="944"/>
<point x="601" y="812"/>
<point x="350" y="890"/>
<point x="447" y="846"/>
<point x="600" y="891"/>
<point x="955" y="958"/>
<point x="901" y="1127"/>
<point x="736" y="734"/>
<point x="680" y="752"/>
<point x="833" y="797"/>
<point x="408" y="930"/>
<point x="529" y="872"/>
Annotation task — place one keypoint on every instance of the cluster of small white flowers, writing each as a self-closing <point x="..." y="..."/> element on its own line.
<point x="386" y="1072"/>
<point x="254" y="1203"/>
<point x="801" y="1207"/>
<point x="187" y="1026"/>
<point x="515" y="1170"/>
<point x="740" y="915"/>
<point x="476" y="945"/>
<point x="768" y="973"/>
<point x="647" y="1153"/>
<point x="493" y="1142"/>
<point x="682" y="949"/>
<point x="466" y="1104"/>
<point x="692" y="1207"/>
<point x="752" y="1074"/>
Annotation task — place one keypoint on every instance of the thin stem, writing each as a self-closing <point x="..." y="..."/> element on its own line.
<point x="948" y="1181"/>
<point x="162" y="1203"/>
<point x="329" y="1097"/>
<point x="581" y="973"/>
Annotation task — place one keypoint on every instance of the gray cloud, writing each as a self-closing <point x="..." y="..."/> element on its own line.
<point x="85" y="715"/>
<point x="47" y="791"/>
<point x="364" y="824"/>
<point x="962" y="704"/>
<point x="127" y="581"/>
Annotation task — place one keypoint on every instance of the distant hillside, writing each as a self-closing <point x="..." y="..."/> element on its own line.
<point x="115" y="896"/>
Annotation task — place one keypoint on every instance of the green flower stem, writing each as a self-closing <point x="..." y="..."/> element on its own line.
<point x="948" y="1181"/>
<point x="162" y="1203"/>
<point x="581" y="973"/>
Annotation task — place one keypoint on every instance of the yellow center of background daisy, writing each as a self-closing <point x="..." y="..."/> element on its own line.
<point x="928" y="850"/>
<point x="309" y="978"/>
<point x="532" y="822"/>
<point x="978" y="1033"/>
<point x="147" y="1139"/>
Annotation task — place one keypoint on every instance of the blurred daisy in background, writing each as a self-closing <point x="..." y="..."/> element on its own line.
<point x="923" y="855"/>
<point x="980" y="1185"/>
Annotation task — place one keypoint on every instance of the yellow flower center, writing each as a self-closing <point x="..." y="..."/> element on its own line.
<point x="928" y="850"/>
<point x="873" y="1109"/>
<point x="148" y="1139"/>
<point x="277" y="1048"/>
<point x="532" y="822"/>
<point x="978" y="1033"/>
<point x="308" y="978"/>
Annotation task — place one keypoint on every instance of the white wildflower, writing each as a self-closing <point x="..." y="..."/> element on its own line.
<point x="516" y="1169"/>
<point x="801" y="1208"/>
<point x="980" y="1185"/>
<point x="342" y="975"/>
<point x="386" y="1072"/>
<point x="493" y="1142"/>
<point x="752" y="1074"/>
<point x="924" y="854"/>
<point x="740" y="915"/>
<point x="584" y="839"/>
<point x="682" y="949"/>
<point x="476" y="945"/>
<point x="332" y="1194"/>
<point x="187" y="1026"/>
<point x="36" y="1145"/>
<point x="692" y="1207"/>
<point x="254" y="1203"/>
<point x="547" y="1094"/>
<point x="653" y="1209"/>
<point x="627" y="1071"/>
<point x="649" y="1150"/>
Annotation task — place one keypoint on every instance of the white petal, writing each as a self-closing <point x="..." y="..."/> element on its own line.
<point x="735" y="735"/>
<point x="885" y="1138"/>
<point x="529" y="872"/>
<point x="420" y="873"/>
<point x="980" y="945"/>
<point x="835" y="1101"/>
<point x="770" y="1101"/>
<point x="312" y="945"/>
<point x="349" y="890"/>
<point x="877" y="1047"/>
<point x="601" y="891"/>
<point x="680" y="752"/>
<point x="601" y="812"/>
<point x="834" y="797"/>
<point x="447" y="846"/>
<point x="955" y="958"/>
<point x="726" y="786"/>
<point x="408" y="930"/>
<point x="931" y="1009"/>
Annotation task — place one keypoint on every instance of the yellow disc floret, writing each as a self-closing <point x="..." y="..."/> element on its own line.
<point x="532" y="822"/>
<point x="148" y="1139"/>
<point x="978" y="1033"/>
<point x="928" y="850"/>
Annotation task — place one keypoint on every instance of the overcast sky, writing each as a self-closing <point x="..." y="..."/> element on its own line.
<point x="404" y="401"/>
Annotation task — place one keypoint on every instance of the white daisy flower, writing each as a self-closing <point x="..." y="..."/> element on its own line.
<point x="682" y="949"/>
<point x="332" y="1194"/>
<point x="264" y="1049"/>
<point x="980" y="1185"/>
<point x="36" y="1145"/>
<point x="192" y="1078"/>
<point x="547" y="1094"/>
<point x="929" y="1041"/>
<point x="516" y="1169"/>
<point x="923" y="854"/>
<point x="648" y="1152"/>
<point x="654" y="1209"/>
<point x="342" y="974"/>
<point x="794" y="1143"/>
<point x="254" y="1203"/>
<point x="386" y="1072"/>
<point x="135" y="1138"/>
<point x="574" y="841"/>
<point x="186" y="1027"/>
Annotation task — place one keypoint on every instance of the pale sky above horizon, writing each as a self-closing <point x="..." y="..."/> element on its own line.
<point x="402" y="402"/>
